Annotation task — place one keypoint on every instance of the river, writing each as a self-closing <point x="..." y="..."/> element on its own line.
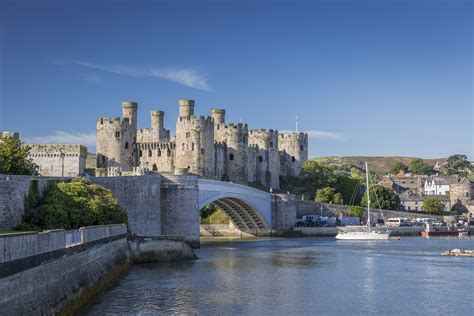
<point x="301" y="276"/>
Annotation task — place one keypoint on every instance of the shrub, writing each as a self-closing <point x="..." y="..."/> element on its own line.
<point x="75" y="204"/>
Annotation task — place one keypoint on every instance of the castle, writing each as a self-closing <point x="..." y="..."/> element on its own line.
<point x="206" y="146"/>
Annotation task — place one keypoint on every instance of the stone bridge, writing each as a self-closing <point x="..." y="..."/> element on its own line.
<point x="249" y="209"/>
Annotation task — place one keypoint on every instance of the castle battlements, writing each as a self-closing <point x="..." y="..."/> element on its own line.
<point x="203" y="145"/>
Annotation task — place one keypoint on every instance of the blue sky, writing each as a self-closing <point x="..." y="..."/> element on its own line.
<point x="364" y="77"/>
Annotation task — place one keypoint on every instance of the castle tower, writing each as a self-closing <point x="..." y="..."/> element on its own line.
<point x="186" y="108"/>
<point x="129" y="111"/>
<point x="159" y="133"/>
<point x="116" y="138"/>
<point x="265" y="144"/>
<point x="293" y="152"/>
<point x="218" y="115"/>
<point x="194" y="141"/>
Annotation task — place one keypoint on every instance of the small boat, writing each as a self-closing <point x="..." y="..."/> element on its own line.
<point x="367" y="233"/>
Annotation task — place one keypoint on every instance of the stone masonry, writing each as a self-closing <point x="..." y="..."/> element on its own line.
<point x="206" y="146"/>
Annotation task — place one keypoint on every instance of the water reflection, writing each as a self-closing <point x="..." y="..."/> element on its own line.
<point x="300" y="277"/>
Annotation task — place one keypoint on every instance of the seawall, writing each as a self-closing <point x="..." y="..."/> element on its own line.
<point x="57" y="272"/>
<point x="332" y="231"/>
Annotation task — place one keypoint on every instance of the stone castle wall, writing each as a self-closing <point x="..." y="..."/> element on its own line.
<point x="293" y="152"/>
<point x="59" y="160"/>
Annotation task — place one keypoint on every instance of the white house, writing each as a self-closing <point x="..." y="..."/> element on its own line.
<point x="438" y="185"/>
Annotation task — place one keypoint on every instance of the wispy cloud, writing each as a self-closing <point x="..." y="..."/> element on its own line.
<point x="60" y="137"/>
<point x="323" y="135"/>
<point x="190" y="77"/>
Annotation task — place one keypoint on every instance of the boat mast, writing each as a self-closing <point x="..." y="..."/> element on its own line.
<point x="368" y="194"/>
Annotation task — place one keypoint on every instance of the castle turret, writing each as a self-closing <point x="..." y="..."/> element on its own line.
<point x="218" y="115"/>
<point x="265" y="144"/>
<point x="159" y="133"/>
<point x="129" y="111"/>
<point x="293" y="152"/>
<point x="194" y="141"/>
<point x="186" y="107"/>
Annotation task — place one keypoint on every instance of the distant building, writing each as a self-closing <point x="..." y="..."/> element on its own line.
<point x="59" y="160"/>
<point x="10" y="134"/>
<point x="404" y="184"/>
<point x="415" y="202"/>
<point x="438" y="185"/>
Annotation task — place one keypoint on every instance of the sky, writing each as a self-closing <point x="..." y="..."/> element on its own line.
<point x="365" y="78"/>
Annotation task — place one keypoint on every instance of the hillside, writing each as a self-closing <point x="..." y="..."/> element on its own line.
<point x="378" y="165"/>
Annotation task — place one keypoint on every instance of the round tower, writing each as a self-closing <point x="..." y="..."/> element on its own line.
<point x="157" y="126"/>
<point x="129" y="111"/>
<point x="267" y="156"/>
<point x="218" y="115"/>
<point x="186" y="107"/>
<point x="236" y="139"/>
<point x="293" y="152"/>
<point x="195" y="141"/>
<point x="116" y="138"/>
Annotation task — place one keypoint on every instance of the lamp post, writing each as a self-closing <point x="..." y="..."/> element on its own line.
<point x="62" y="163"/>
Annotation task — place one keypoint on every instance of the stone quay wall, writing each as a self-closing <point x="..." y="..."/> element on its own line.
<point x="332" y="231"/>
<point x="316" y="208"/>
<point x="41" y="274"/>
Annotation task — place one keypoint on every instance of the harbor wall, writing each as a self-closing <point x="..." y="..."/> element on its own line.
<point x="332" y="231"/>
<point x="49" y="272"/>
<point x="316" y="208"/>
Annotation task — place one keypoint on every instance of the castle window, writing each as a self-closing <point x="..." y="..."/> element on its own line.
<point x="192" y="146"/>
<point x="154" y="167"/>
<point x="182" y="145"/>
<point x="293" y="158"/>
<point x="271" y="144"/>
<point x="103" y="159"/>
<point x="301" y="147"/>
<point x="126" y="145"/>
<point x="159" y="153"/>
<point x="188" y="134"/>
<point x="218" y="127"/>
<point x="260" y="159"/>
<point x="231" y="156"/>
<point x="117" y="134"/>
<point x="168" y="153"/>
<point x="149" y="153"/>
<point x="203" y="151"/>
<point x="140" y="153"/>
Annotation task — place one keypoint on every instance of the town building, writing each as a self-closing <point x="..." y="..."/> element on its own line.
<point x="206" y="146"/>
<point x="415" y="202"/>
<point x="6" y="134"/>
<point x="438" y="185"/>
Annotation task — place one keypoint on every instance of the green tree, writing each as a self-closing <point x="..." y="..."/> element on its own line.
<point x="457" y="165"/>
<point x="418" y="166"/>
<point x="328" y="195"/>
<point x="397" y="167"/>
<point x="381" y="197"/>
<point x="14" y="158"/>
<point x="348" y="188"/>
<point x="75" y="204"/>
<point x="433" y="205"/>
<point x="356" y="211"/>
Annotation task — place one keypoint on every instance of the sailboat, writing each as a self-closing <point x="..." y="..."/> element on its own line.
<point x="368" y="234"/>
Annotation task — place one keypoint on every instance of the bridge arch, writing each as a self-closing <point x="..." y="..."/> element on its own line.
<point x="249" y="209"/>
